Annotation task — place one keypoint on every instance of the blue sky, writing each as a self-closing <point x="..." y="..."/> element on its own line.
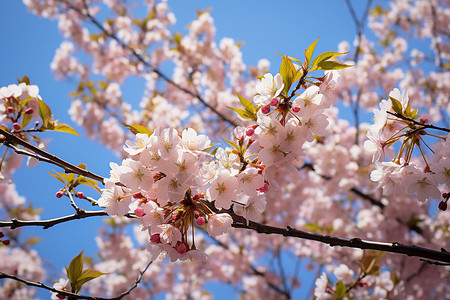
<point x="28" y="45"/>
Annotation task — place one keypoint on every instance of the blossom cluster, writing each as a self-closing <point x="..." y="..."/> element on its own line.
<point x="395" y="121"/>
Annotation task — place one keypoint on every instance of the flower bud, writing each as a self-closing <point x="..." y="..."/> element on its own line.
<point x="200" y="221"/>
<point x="29" y="111"/>
<point x="16" y="126"/>
<point x="6" y="242"/>
<point x="59" y="194"/>
<point x="273" y="102"/>
<point x="250" y="131"/>
<point x="296" y="109"/>
<point x="182" y="248"/>
<point x="265" y="109"/>
<point x="139" y="212"/>
<point x="80" y="195"/>
<point x="36" y="124"/>
<point x="10" y="110"/>
<point x="155" y="238"/>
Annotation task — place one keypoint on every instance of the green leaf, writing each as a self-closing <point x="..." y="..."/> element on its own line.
<point x="59" y="178"/>
<point x="324" y="57"/>
<point x="24" y="79"/>
<point x="244" y="113"/>
<point x="75" y="268"/>
<point x="396" y="105"/>
<point x="231" y="143"/>
<point x="340" y="289"/>
<point x="247" y="104"/>
<point x="62" y="127"/>
<point x="44" y="112"/>
<point x="68" y="177"/>
<point x="88" y="275"/>
<point x="89" y="182"/>
<point x="329" y="65"/>
<point x="288" y="72"/>
<point x="135" y="129"/>
<point x="309" y="52"/>
<point x="26" y="118"/>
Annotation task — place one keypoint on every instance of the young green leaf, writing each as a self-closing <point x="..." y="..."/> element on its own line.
<point x="75" y="268"/>
<point x="288" y="72"/>
<point x="88" y="275"/>
<point x="396" y="105"/>
<point x="247" y="104"/>
<point x="329" y="65"/>
<point x="45" y="113"/>
<point x="135" y="129"/>
<point x="26" y="118"/>
<point x="340" y="289"/>
<point x="244" y="113"/>
<point x="62" y="127"/>
<point x="309" y="52"/>
<point x="324" y="57"/>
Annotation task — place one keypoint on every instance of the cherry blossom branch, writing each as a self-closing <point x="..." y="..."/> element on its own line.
<point x="124" y="45"/>
<point x="431" y="126"/>
<point x="10" y="139"/>
<point x="81" y="214"/>
<point x="410" y="250"/>
<point x="73" y="295"/>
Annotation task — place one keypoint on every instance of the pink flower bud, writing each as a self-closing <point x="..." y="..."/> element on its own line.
<point x="296" y="109"/>
<point x="155" y="238"/>
<point x="264" y="188"/>
<point x="60" y="296"/>
<point x="273" y="102"/>
<point x="265" y="109"/>
<point x="29" y="111"/>
<point x="182" y="248"/>
<point x="10" y="110"/>
<point x="36" y="124"/>
<point x="250" y="131"/>
<point x="6" y="242"/>
<point x="200" y="221"/>
<point x="59" y="194"/>
<point x="80" y="195"/>
<point x="139" y="212"/>
<point x="16" y="126"/>
<point x="1" y="235"/>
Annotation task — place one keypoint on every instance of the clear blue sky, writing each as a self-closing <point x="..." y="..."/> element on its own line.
<point x="27" y="47"/>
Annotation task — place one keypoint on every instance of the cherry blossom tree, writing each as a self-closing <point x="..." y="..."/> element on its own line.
<point x="228" y="171"/>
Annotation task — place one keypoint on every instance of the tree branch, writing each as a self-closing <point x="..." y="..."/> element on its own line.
<point x="81" y="214"/>
<point x="10" y="139"/>
<point x="431" y="126"/>
<point x="72" y="295"/>
<point x="410" y="250"/>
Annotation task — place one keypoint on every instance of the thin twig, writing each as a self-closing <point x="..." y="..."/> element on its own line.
<point x="431" y="126"/>
<point x="10" y="139"/>
<point x="73" y="295"/>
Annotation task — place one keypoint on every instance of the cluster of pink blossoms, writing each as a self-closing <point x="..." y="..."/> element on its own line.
<point x="169" y="178"/>
<point x="395" y="121"/>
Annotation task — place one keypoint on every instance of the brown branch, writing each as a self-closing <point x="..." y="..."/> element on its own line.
<point x="410" y="250"/>
<point x="10" y="139"/>
<point x="45" y="224"/>
<point x="73" y="295"/>
<point x="424" y="126"/>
